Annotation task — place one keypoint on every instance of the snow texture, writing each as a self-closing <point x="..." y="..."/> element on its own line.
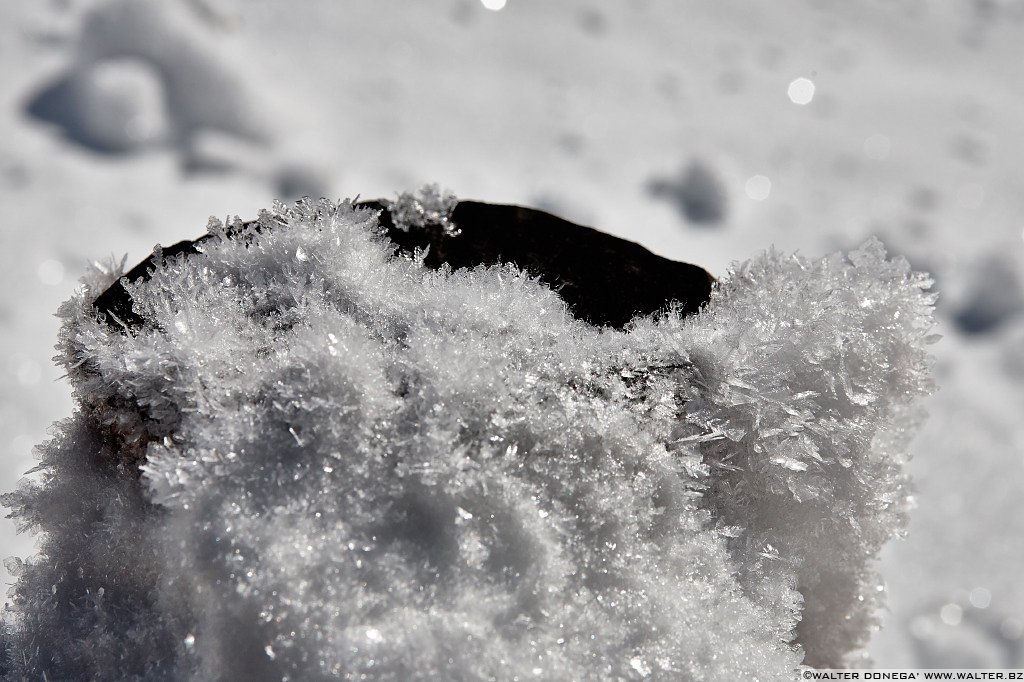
<point x="355" y="466"/>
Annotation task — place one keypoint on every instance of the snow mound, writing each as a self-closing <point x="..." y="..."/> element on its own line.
<point x="698" y="194"/>
<point x="355" y="466"/>
<point x="994" y="296"/>
<point x="141" y="78"/>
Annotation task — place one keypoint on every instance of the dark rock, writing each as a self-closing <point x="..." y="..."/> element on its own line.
<point x="604" y="280"/>
<point x="116" y="305"/>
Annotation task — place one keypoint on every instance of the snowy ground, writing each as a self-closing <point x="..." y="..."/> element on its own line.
<point x="129" y="123"/>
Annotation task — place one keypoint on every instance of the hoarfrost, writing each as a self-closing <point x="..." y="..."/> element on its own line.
<point x="429" y="206"/>
<point x="354" y="466"/>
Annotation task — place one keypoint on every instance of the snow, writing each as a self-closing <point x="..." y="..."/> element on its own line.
<point x="357" y="465"/>
<point x="913" y="134"/>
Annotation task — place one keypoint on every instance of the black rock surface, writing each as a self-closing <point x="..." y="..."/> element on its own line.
<point x="604" y="280"/>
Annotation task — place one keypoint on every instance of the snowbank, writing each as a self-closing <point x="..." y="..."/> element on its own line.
<point x="353" y="465"/>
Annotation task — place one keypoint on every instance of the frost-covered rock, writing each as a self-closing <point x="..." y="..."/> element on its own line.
<point x="356" y="466"/>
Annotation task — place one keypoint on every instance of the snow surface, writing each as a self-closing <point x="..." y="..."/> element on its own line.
<point x="914" y="133"/>
<point x="355" y="465"/>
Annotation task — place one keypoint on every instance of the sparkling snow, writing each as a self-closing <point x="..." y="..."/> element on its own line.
<point x="912" y="135"/>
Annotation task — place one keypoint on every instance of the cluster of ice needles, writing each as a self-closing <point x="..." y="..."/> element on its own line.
<point x="317" y="460"/>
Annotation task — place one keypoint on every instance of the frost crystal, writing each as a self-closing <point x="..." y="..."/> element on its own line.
<point x="353" y="466"/>
<point x="429" y="206"/>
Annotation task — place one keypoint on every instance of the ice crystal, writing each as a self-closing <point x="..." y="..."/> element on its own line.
<point x="429" y="206"/>
<point x="354" y="466"/>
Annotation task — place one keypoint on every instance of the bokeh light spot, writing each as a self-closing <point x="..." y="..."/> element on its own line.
<point x="980" y="598"/>
<point x="22" y="444"/>
<point x="951" y="614"/>
<point x="493" y="5"/>
<point x="801" y="91"/>
<point x="51" y="272"/>
<point x="1011" y="628"/>
<point x="922" y="627"/>
<point x="758" y="187"/>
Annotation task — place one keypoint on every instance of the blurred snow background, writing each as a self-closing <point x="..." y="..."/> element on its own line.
<point x="705" y="131"/>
